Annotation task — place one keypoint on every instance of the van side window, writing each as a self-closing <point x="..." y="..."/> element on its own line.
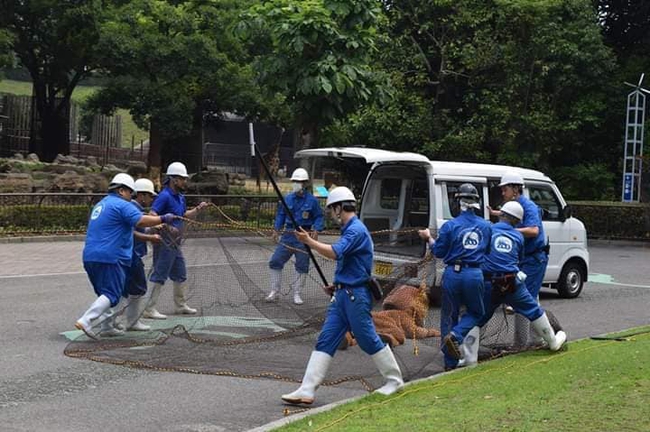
<point x="450" y="208"/>
<point x="545" y="198"/>
<point x="389" y="193"/>
<point x="496" y="199"/>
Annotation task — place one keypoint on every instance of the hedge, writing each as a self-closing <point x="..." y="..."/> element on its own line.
<point x="604" y="220"/>
<point x="613" y="220"/>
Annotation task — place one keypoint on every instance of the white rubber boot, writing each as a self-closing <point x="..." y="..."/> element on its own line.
<point x="180" y="299"/>
<point x="297" y="287"/>
<point x="276" y="283"/>
<point x="107" y="327"/>
<point x="99" y="306"/>
<point x="133" y="312"/>
<point x="387" y="365"/>
<point x="150" y="311"/>
<point x="544" y="329"/>
<point x="315" y="373"/>
<point x="470" y="348"/>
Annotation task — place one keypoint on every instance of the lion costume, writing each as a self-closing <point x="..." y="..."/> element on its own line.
<point x="402" y="317"/>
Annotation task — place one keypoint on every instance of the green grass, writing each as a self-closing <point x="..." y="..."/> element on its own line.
<point x="80" y="94"/>
<point x="593" y="386"/>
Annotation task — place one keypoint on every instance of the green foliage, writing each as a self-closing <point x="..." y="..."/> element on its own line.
<point x="614" y="220"/>
<point x="319" y="56"/>
<point x="35" y="219"/>
<point x="168" y="58"/>
<point x="586" y="182"/>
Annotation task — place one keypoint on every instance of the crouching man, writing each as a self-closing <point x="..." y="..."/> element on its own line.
<point x="504" y="283"/>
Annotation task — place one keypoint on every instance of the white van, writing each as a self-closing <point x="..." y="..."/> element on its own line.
<point x="407" y="190"/>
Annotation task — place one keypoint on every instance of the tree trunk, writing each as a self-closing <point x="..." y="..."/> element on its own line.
<point x="51" y="134"/>
<point x="154" y="161"/>
<point x="305" y="137"/>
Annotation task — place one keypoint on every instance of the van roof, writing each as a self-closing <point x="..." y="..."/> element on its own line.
<point x="483" y="170"/>
<point x="372" y="155"/>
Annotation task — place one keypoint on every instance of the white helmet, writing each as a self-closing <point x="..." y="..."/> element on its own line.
<point x="300" y="174"/>
<point x="340" y="194"/>
<point x="122" y="179"/>
<point x="177" y="169"/>
<point x="511" y="177"/>
<point x="145" y="185"/>
<point x="514" y="209"/>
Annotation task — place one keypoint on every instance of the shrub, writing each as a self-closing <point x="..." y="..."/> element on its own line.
<point x="614" y="220"/>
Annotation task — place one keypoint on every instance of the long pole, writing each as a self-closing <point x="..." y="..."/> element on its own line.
<point x="288" y="211"/>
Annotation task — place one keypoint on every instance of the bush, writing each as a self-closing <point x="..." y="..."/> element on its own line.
<point x="614" y="220"/>
<point x="35" y="219"/>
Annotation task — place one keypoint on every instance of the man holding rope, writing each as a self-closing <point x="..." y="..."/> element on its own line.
<point x="351" y="303"/>
<point x="308" y="215"/>
<point x="168" y="260"/>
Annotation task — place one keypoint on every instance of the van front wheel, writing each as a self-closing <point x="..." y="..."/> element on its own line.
<point x="571" y="280"/>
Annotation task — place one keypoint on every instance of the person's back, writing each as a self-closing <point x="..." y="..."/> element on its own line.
<point x="355" y="252"/>
<point x="109" y="237"/>
<point x="463" y="239"/>
<point x="506" y="249"/>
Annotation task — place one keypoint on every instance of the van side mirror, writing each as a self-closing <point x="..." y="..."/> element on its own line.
<point x="567" y="212"/>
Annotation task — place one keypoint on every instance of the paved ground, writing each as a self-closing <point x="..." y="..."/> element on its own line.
<point x="44" y="289"/>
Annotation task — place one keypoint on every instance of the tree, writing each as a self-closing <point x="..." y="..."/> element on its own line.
<point x="515" y="82"/>
<point x="174" y="65"/>
<point x="319" y="57"/>
<point x="55" y="40"/>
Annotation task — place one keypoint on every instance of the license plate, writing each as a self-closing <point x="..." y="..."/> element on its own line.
<point x="383" y="268"/>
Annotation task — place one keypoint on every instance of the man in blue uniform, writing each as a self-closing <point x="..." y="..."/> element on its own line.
<point x="461" y="244"/>
<point x="351" y="302"/>
<point x="503" y="282"/>
<point x="168" y="261"/>
<point x="309" y="216"/>
<point x="108" y="249"/>
<point x="136" y="286"/>
<point x="535" y="257"/>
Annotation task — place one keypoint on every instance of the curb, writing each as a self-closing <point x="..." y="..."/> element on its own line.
<point x="295" y="417"/>
<point x="42" y="239"/>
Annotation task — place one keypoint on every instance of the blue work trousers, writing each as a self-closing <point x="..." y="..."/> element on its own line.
<point x="534" y="266"/>
<point x="349" y="311"/>
<point x="107" y="279"/>
<point x="282" y="253"/>
<point x="136" y="280"/>
<point x="168" y="263"/>
<point x="521" y="301"/>
<point x="463" y="288"/>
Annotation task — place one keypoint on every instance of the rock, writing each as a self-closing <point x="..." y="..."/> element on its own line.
<point x="33" y="157"/>
<point x="19" y="156"/>
<point x="112" y="168"/>
<point x="137" y="169"/>
<point x="209" y="183"/>
<point x="91" y="161"/>
<point x="62" y="168"/>
<point x="69" y="181"/>
<point x="16" y="183"/>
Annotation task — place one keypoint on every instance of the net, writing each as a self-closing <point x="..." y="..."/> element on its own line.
<point x="238" y="333"/>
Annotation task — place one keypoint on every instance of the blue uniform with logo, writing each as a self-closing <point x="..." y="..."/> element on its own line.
<point x="109" y="245"/>
<point x="461" y="244"/>
<point x="136" y="284"/>
<point x="500" y="267"/>
<point x="351" y="304"/>
<point x="308" y="215"/>
<point x="535" y="258"/>
<point x="169" y="262"/>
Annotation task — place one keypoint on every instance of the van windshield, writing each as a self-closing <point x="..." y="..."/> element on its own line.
<point x="395" y="205"/>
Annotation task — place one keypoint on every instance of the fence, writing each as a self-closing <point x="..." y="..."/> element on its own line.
<point x="51" y="213"/>
<point x="106" y="132"/>
<point x="61" y="213"/>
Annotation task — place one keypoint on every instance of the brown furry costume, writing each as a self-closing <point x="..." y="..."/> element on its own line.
<point x="402" y="317"/>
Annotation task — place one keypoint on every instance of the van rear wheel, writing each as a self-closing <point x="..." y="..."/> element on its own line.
<point x="571" y="280"/>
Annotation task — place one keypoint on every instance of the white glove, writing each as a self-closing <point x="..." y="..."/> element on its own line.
<point x="521" y="276"/>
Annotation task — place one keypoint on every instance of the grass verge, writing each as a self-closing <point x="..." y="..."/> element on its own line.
<point x="129" y="129"/>
<point x="599" y="385"/>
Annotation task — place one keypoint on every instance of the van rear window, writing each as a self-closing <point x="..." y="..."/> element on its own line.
<point x="389" y="195"/>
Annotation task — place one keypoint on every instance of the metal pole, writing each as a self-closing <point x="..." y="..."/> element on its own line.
<point x="288" y="211"/>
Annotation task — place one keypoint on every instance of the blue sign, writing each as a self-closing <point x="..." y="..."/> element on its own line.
<point x="627" y="188"/>
<point x="321" y="191"/>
